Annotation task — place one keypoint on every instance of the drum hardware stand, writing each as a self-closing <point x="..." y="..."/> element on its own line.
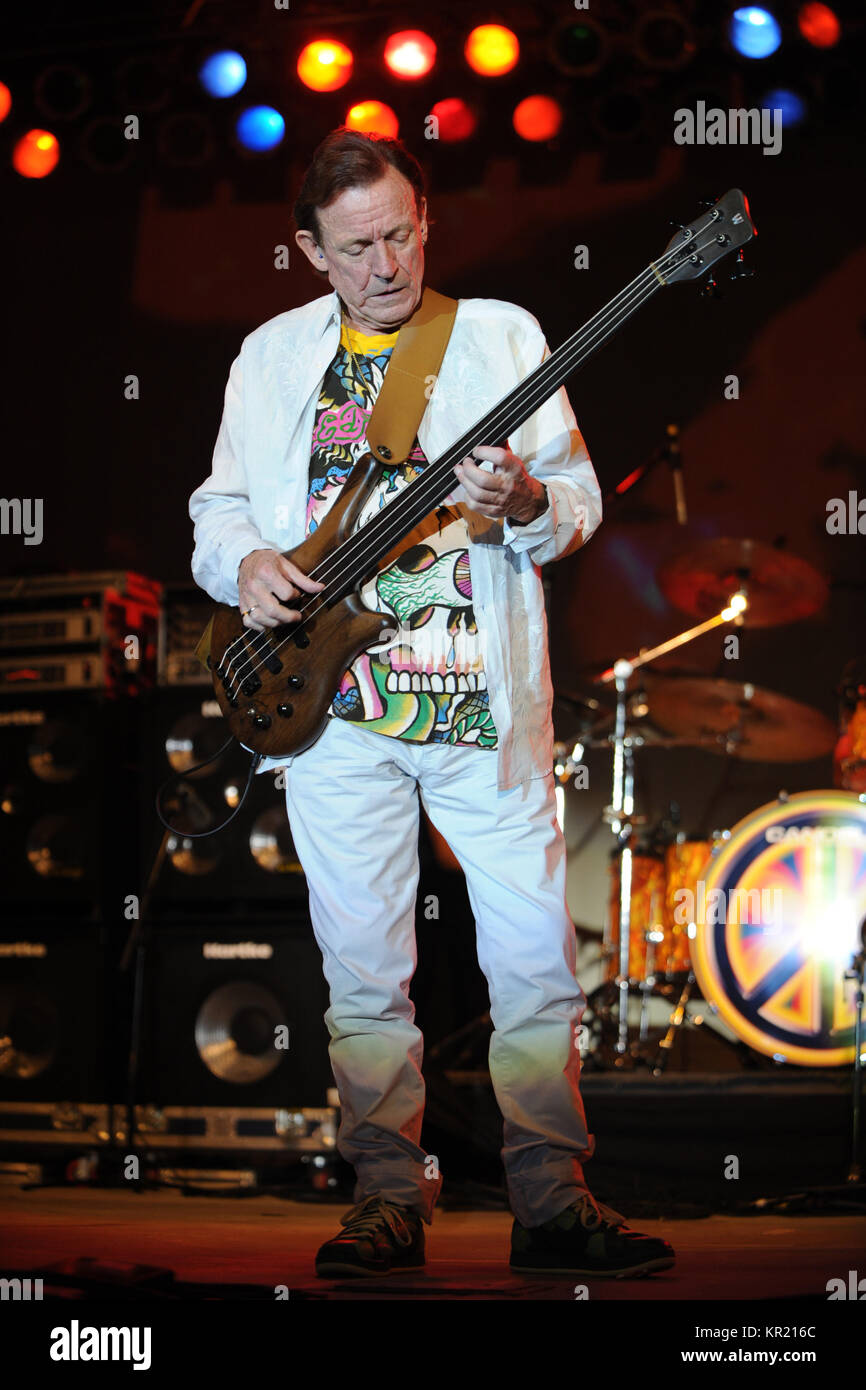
<point x="620" y="813"/>
<point x="619" y="816"/>
<point x="857" y="972"/>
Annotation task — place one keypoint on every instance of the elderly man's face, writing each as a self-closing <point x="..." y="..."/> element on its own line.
<point x="372" y="247"/>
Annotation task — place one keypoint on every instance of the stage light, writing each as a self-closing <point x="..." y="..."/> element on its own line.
<point x="664" y="40"/>
<point x="5" y="101"/>
<point x="457" y="121"/>
<point x="260" y="128"/>
<point x="410" y="53"/>
<point x="791" y="105"/>
<point x="223" y="74"/>
<point x="373" y="117"/>
<point x="578" y="47"/>
<point x="754" y="32"/>
<point x="325" y="65"/>
<point x="63" y="92"/>
<point x="492" y="50"/>
<point x="36" y="154"/>
<point x="537" y="118"/>
<point x="819" y="25"/>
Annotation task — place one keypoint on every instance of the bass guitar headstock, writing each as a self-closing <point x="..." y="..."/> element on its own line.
<point x="724" y="227"/>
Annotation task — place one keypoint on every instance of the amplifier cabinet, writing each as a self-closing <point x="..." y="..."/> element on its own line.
<point x="61" y="1029"/>
<point x="69" y="804"/>
<point x="234" y="1017"/>
<point x="248" y="866"/>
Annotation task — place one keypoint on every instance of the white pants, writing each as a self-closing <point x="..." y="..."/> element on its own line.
<point x="353" y="811"/>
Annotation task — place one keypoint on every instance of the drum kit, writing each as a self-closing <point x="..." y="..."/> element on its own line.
<point x="763" y="920"/>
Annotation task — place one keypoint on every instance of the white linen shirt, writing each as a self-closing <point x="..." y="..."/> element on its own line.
<point x="256" y="494"/>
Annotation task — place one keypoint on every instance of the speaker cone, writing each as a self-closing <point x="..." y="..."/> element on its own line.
<point x="235" y="1032"/>
<point x="29" y="1033"/>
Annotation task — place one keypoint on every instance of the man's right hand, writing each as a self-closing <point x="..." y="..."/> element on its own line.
<point x="266" y="580"/>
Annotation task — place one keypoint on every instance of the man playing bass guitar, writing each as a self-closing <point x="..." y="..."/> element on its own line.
<point x="454" y="713"/>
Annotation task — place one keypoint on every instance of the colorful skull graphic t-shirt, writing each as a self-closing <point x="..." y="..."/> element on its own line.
<point x="427" y="684"/>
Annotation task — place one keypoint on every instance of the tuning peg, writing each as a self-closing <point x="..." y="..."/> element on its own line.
<point x="741" y="271"/>
<point x="710" y="289"/>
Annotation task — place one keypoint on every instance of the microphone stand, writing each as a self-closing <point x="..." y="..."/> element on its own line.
<point x="668" y="452"/>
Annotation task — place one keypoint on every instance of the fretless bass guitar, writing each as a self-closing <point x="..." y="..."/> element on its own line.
<point x="275" y="687"/>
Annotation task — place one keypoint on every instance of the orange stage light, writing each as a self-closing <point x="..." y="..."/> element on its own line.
<point x="491" y="50"/>
<point x="374" y="117"/>
<point x="5" y="101"/>
<point x="36" y="154"/>
<point x="537" y="118"/>
<point x="819" y="25"/>
<point x="457" y="121"/>
<point x="325" y="65"/>
<point x="410" y="53"/>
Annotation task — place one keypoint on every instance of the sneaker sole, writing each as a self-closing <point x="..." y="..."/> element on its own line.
<point x="632" y="1272"/>
<point x="335" y="1270"/>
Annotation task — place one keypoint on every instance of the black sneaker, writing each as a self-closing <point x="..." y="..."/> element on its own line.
<point x="590" y="1239"/>
<point x="378" y="1237"/>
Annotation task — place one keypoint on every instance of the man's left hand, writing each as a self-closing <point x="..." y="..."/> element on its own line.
<point x="509" y="491"/>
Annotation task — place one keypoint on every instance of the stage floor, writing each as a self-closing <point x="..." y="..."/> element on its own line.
<point x="262" y="1241"/>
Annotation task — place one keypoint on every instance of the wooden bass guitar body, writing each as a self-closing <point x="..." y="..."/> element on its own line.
<point x="275" y="687"/>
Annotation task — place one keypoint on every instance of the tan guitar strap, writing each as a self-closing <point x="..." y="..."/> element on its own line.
<point x="405" y="391"/>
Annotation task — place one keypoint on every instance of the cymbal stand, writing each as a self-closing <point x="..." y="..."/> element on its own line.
<point x="620" y="813"/>
<point x="619" y="816"/>
<point x="857" y="972"/>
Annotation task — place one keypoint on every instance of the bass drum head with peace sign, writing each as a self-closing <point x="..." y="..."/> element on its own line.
<point x="778" y="921"/>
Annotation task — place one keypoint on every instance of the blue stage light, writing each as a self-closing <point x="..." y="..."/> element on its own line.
<point x="223" y="74"/>
<point x="754" y="32"/>
<point x="260" y="128"/>
<point x="792" y="106"/>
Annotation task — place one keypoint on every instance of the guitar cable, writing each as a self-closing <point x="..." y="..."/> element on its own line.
<point x="255" y="760"/>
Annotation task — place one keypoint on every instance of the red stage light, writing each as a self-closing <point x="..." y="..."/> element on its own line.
<point x="324" y="65"/>
<point x="819" y="25"/>
<point x="537" y="118"/>
<point x="410" y="53"/>
<point x="36" y="154"/>
<point x="373" y="117"/>
<point x="5" y="101"/>
<point x="491" y="50"/>
<point x="457" y="121"/>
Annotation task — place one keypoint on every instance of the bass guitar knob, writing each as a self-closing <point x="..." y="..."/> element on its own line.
<point x="285" y="711"/>
<point x="261" y="720"/>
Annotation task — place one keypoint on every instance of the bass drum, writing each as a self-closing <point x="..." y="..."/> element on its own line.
<point x="777" y="924"/>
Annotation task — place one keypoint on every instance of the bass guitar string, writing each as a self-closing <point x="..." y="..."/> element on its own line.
<point x="431" y="481"/>
<point x="437" y="475"/>
<point x="391" y="519"/>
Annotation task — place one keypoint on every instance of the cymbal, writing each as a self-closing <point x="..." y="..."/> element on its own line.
<point x="747" y="722"/>
<point x="781" y="588"/>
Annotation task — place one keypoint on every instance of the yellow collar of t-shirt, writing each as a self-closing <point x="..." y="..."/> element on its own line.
<point x="366" y="343"/>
